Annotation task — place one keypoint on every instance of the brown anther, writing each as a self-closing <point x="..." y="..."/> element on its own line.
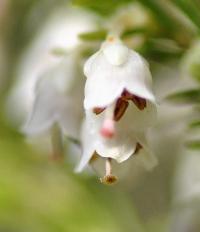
<point x="108" y="180"/>
<point x="94" y="157"/>
<point x="138" y="148"/>
<point x="120" y="109"/>
<point x="139" y="102"/>
<point x="126" y="95"/>
<point x="98" y="110"/>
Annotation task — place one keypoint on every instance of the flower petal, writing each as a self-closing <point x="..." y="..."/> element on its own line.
<point x="58" y="98"/>
<point x="139" y="80"/>
<point x="116" y="54"/>
<point x="105" y="82"/>
<point x="102" y="85"/>
<point x="120" y="147"/>
<point x="88" y="138"/>
<point x="42" y="116"/>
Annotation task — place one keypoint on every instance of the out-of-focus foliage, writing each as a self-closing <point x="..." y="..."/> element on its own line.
<point x="188" y="96"/>
<point x="103" y="8"/>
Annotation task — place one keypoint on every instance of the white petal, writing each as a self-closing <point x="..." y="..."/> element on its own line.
<point x="88" y="139"/>
<point x="116" y="54"/>
<point x="138" y="79"/>
<point x="102" y="85"/>
<point x="42" y="116"/>
<point x="120" y="147"/>
<point x="105" y="82"/>
<point x="60" y="30"/>
<point x="58" y="78"/>
<point x="69" y="117"/>
<point x="89" y="63"/>
<point x="58" y="100"/>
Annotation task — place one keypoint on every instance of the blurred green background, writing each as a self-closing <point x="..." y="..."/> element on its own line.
<point x="37" y="194"/>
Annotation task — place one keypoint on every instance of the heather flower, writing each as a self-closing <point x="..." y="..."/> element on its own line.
<point x="119" y="102"/>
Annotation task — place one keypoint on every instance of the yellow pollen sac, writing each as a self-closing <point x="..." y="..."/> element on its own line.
<point x="108" y="180"/>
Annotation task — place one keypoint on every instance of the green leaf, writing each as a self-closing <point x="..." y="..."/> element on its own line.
<point x="188" y="96"/>
<point x="134" y="31"/>
<point x="195" y="71"/>
<point x="160" y="12"/>
<point x="101" y="34"/>
<point x="94" y="35"/>
<point x="160" y="49"/>
<point x="191" y="9"/>
<point x="195" y="124"/>
<point x="101" y="7"/>
<point x="193" y="144"/>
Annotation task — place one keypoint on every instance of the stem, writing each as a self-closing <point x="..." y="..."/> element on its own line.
<point x="108" y="166"/>
<point x="57" y="143"/>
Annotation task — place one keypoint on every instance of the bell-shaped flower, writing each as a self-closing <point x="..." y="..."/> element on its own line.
<point x="58" y="95"/>
<point x="115" y="129"/>
<point x="58" y="36"/>
<point x="57" y="108"/>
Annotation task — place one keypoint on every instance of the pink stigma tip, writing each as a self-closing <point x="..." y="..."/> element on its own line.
<point x="108" y="128"/>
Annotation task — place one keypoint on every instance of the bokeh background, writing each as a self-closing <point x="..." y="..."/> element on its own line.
<point x="37" y="194"/>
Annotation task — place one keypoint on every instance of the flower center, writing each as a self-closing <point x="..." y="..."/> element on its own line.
<point x="122" y="104"/>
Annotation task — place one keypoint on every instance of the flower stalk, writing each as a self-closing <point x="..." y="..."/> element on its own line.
<point x="57" y="153"/>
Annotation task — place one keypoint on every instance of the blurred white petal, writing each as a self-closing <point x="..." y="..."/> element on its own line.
<point x="58" y="95"/>
<point x="60" y="31"/>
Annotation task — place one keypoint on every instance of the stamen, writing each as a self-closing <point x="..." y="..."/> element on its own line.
<point x="120" y="109"/>
<point x="108" y="178"/>
<point x="126" y="95"/>
<point x="57" y="144"/>
<point x="139" y="102"/>
<point x="98" y="110"/>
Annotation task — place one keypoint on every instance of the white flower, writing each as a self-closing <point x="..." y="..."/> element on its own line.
<point x="58" y="96"/>
<point x="58" y="33"/>
<point x="114" y="128"/>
